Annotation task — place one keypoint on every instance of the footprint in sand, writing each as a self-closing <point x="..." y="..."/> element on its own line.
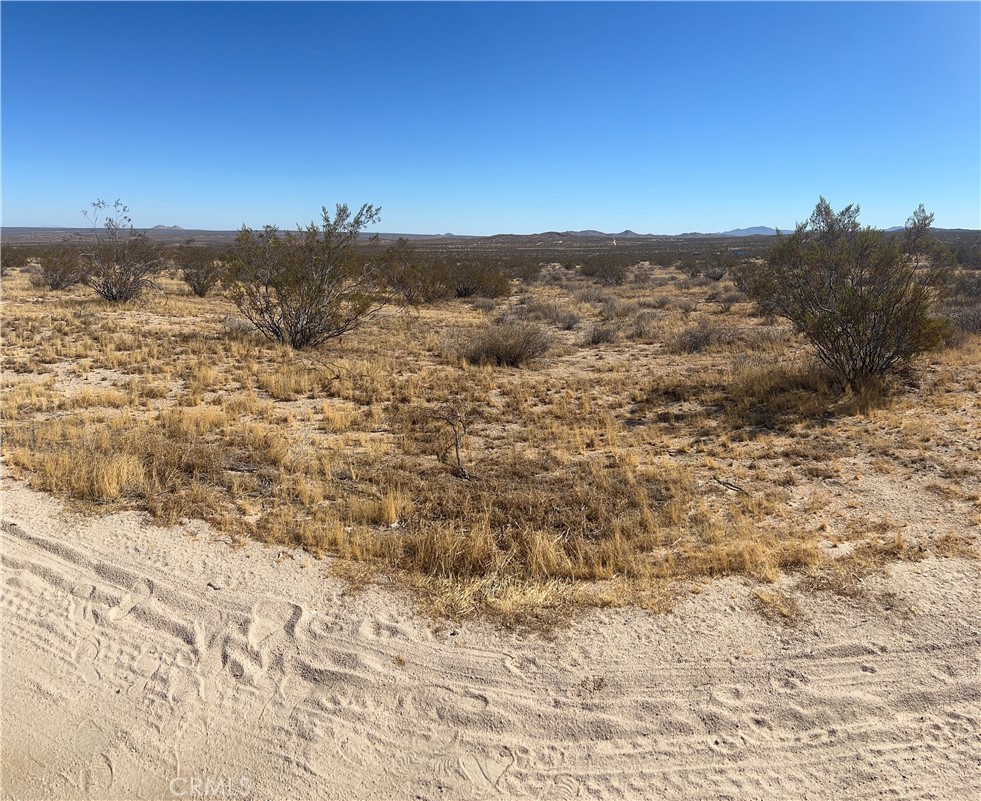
<point x="89" y="740"/>
<point x="563" y="787"/>
<point x="483" y="769"/>
<point x="80" y="602"/>
<point x="85" y="658"/>
<point x="145" y="668"/>
<point x="127" y="603"/>
<point x="279" y="709"/>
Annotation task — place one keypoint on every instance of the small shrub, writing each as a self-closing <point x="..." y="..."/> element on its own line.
<point x="486" y="305"/>
<point x="506" y="345"/>
<point x="414" y="276"/>
<point x="60" y="268"/>
<point x="719" y="265"/>
<point x="727" y="300"/>
<point x="704" y="335"/>
<point x="478" y="277"/>
<point x="560" y="316"/>
<point x="609" y="270"/>
<point x="122" y="263"/>
<point x="602" y="334"/>
<point x="11" y="258"/>
<point x="968" y="286"/>
<point x="690" y="265"/>
<point x="643" y="325"/>
<point x="528" y="271"/>
<point x="199" y="267"/>
<point x="967" y="319"/>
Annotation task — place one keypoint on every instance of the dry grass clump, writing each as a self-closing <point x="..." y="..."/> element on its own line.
<point x="505" y="344"/>
<point x="618" y="473"/>
<point x="703" y="335"/>
<point x="602" y="334"/>
<point x="562" y="316"/>
<point x="777" y="606"/>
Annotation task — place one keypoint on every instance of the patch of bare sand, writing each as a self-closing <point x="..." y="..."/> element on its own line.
<point x="137" y="660"/>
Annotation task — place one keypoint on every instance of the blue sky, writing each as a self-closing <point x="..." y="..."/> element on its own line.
<point x="481" y="118"/>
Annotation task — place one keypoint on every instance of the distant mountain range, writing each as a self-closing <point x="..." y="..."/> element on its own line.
<point x="174" y="234"/>
<point x="759" y="230"/>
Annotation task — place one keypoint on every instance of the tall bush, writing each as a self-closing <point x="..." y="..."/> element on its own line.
<point x="310" y="286"/>
<point x="122" y="263"/>
<point x="864" y="301"/>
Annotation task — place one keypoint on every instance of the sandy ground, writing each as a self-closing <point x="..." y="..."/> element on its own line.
<point x="141" y="662"/>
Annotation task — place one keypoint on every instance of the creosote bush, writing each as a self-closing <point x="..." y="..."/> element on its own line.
<point x="478" y="277"/>
<point x="865" y="302"/>
<point x="60" y="268"/>
<point x="122" y="263"/>
<point x="415" y="277"/>
<point x="310" y="286"/>
<point x="199" y="266"/>
<point x="608" y="269"/>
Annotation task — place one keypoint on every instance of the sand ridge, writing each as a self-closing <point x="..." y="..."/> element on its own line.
<point x="137" y="659"/>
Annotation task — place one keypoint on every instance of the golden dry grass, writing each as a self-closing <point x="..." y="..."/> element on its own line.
<point x="607" y="472"/>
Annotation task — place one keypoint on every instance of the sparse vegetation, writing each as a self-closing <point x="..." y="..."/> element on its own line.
<point x="684" y="441"/>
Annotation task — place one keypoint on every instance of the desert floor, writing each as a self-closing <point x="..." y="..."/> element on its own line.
<point x="137" y="659"/>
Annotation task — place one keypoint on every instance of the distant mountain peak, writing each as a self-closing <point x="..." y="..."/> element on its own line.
<point x="166" y="228"/>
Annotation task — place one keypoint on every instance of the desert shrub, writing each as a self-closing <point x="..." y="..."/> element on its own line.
<point x="864" y="301"/>
<point x="486" y="305"/>
<point x="696" y="338"/>
<point x="758" y="282"/>
<point x="122" y="263"/>
<point x="413" y="276"/>
<point x="592" y="294"/>
<point x="310" y="286"/>
<point x="506" y="344"/>
<point x="685" y="305"/>
<point x="967" y="286"/>
<point x="558" y="315"/>
<point x="601" y="334"/>
<point x="11" y="258"/>
<point x="967" y="319"/>
<point x="478" y="277"/>
<point x="719" y="265"/>
<point x="690" y="265"/>
<point x="643" y="325"/>
<point x="59" y="268"/>
<point x="528" y="271"/>
<point x="968" y="255"/>
<point x="726" y="300"/>
<point x="199" y="266"/>
<point x="606" y="269"/>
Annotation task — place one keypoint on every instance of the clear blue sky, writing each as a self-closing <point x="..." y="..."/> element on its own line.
<point x="491" y="117"/>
